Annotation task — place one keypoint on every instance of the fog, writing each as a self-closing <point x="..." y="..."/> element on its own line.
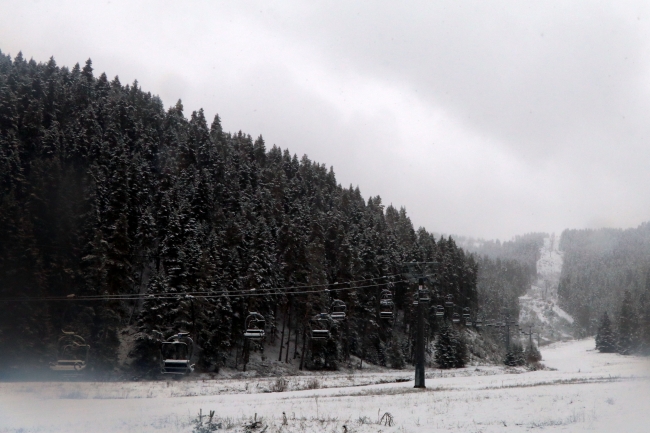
<point x="485" y="119"/>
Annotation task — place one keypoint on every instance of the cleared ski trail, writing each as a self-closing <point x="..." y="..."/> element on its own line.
<point x="587" y="391"/>
<point x="539" y="307"/>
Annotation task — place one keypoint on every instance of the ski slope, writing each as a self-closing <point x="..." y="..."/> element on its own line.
<point x="539" y="306"/>
<point x="586" y="391"/>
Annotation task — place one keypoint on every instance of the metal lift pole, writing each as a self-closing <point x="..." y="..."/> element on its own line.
<point x="419" y="345"/>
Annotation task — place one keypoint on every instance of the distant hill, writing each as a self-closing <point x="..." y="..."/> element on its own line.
<point x="599" y="267"/>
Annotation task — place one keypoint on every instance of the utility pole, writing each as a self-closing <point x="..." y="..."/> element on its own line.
<point x="419" y="344"/>
<point x="530" y="335"/>
<point x="508" y="323"/>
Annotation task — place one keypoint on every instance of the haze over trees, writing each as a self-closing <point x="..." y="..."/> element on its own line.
<point x="106" y="193"/>
<point x="605" y="285"/>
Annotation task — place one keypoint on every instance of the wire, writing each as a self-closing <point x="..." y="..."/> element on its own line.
<point x="212" y="295"/>
<point x="196" y="294"/>
<point x="212" y="292"/>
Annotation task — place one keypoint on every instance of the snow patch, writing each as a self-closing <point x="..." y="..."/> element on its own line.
<point x="539" y="306"/>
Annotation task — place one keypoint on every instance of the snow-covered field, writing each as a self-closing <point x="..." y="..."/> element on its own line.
<point x="587" y="391"/>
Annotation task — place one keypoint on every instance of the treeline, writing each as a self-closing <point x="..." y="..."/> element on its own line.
<point x="604" y="269"/>
<point x="506" y="271"/>
<point x="105" y="193"/>
<point x="629" y="333"/>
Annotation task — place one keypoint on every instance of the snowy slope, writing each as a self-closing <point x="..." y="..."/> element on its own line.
<point x="585" y="391"/>
<point x="539" y="306"/>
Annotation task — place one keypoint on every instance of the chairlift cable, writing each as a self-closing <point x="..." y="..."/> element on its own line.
<point x="212" y="295"/>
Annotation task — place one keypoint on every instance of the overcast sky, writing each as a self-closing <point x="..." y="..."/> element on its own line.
<point x="485" y="118"/>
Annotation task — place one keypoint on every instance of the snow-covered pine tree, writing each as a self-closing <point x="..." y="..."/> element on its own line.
<point x="627" y="330"/>
<point x="450" y="349"/>
<point x="515" y="356"/>
<point x="605" y="338"/>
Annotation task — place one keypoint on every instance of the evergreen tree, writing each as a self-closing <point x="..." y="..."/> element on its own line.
<point x="515" y="356"/>
<point x="627" y="330"/>
<point x="450" y="349"/>
<point x="605" y="338"/>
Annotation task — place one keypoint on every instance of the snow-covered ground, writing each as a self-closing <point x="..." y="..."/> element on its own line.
<point x="585" y="391"/>
<point x="539" y="306"/>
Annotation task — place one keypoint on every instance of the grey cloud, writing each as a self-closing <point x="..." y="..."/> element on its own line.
<point x="482" y="118"/>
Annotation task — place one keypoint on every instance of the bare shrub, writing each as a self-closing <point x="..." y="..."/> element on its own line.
<point x="312" y="383"/>
<point x="280" y="385"/>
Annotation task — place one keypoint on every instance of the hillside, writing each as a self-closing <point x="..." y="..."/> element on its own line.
<point x="539" y="306"/>
<point x="126" y="223"/>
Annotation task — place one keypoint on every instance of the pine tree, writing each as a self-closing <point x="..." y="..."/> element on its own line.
<point x="396" y="355"/>
<point x="605" y="338"/>
<point x="450" y="349"/>
<point x="644" y="318"/>
<point x="515" y="356"/>
<point x="627" y="338"/>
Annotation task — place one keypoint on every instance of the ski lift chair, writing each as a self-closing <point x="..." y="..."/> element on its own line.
<point x="176" y="354"/>
<point x="423" y="295"/>
<point x="320" y="326"/>
<point x="386" y="297"/>
<point x="449" y="303"/>
<point x="338" y="310"/>
<point x="72" y="353"/>
<point x="478" y="323"/>
<point x="466" y="315"/>
<point x="440" y="311"/>
<point x="386" y="305"/>
<point x="455" y="318"/>
<point x="254" y="324"/>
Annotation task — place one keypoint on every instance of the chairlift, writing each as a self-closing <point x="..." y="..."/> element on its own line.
<point x="320" y="326"/>
<point x="466" y="315"/>
<point x="478" y="322"/>
<point x="386" y="304"/>
<point x="440" y="311"/>
<point x="449" y="303"/>
<point x="455" y="318"/>
<point x="468" y="322"/>
<point x="255" y="324"/>
<point x="72" y="353"/>
<point x="176" y="354"/>
<point x="386" y="297"/>
<point x="423" y="295"/>
<point x="338" y="310"/>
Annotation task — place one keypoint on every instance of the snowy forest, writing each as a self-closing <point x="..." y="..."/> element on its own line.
<point x="605" y="285"/>
<point x="172" y="224"/>
<point x="506" y="270"/>
<point x="123" y="220"/>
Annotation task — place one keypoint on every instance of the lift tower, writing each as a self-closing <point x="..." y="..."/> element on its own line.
<point x="420" y="272"/>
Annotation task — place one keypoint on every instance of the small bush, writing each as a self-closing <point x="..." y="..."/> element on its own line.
<point x="208" y="426"/>
<point x="280" y="385"/>
<point x="313" y="383"/>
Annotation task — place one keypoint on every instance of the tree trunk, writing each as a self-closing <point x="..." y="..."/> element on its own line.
<point x="304" y="344"/>
<point x="246" y="353"/>
<point x="286" y="357"/>
<point x="284" y="324"/>
<point x="295" y="345"/>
